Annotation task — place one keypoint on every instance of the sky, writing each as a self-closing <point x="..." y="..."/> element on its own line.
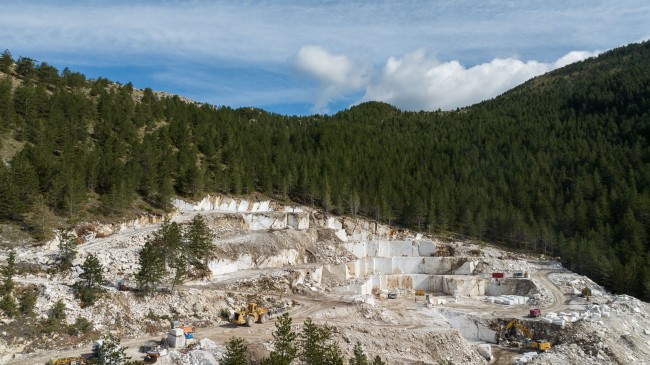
<point x="300" y="57"/>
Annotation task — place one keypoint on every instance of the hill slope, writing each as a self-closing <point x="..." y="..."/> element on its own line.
<point x="559" y="164"/>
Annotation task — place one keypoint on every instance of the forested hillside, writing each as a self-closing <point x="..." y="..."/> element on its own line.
<point x="558" y="165"/>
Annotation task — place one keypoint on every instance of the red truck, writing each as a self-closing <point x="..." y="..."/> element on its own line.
<point x="534" y="313"/>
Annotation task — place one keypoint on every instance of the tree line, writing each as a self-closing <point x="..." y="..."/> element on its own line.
<point x="558" y="165"/>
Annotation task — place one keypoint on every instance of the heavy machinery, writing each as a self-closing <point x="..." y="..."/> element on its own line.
<point x="68" y="361"/>
<point x="535" y="313"/>
<point x="539" y="344"/>
<point x="249" y="315"/>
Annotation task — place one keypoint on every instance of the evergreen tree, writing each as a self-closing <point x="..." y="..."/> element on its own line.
<point x="25" y="67"/>
<point x="9" y="305"/>
<point x="378" y="361"/>
<point x="6" y="61"/>
<point x="67" y="251"/>
<point x="8" y="302"/>
<point x="7" y="113"/>
<point x="235" y="352"/>
<point x="92" y="275"/>
<point x="360" y="357"/>
<point x="9" y="202"/>
<point x="316" y="346"/>
<point x="284" y="343"/>
<point x="180" y="268"/>
<point x="199" y="241"/>
<point x="88" y="287"/>
<point x="109" y="352"/>
<point x="28" y="302"/>
<point x="169" y="239"/>
<point x="56" y="319"/>
<point x="80" y="326"/>
<point x="152" y="267"/>
<point x="8" y="272"/>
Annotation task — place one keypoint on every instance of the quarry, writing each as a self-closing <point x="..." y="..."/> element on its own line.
<point x="409" y="297"/>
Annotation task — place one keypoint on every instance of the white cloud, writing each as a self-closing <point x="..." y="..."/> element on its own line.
<point x="336" y="74"/>
<point x="574" y="56"/>
<point x="418" y="81"/>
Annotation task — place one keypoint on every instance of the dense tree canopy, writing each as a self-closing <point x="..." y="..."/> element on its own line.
<point x="559" y="165"/>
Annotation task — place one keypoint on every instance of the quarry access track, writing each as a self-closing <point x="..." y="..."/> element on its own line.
<point x="559" y="302"/>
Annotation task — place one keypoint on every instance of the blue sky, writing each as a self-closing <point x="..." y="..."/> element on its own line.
<point x="304" y="57"/>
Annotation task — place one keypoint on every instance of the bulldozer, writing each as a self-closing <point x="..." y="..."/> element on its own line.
<point x="249" y="315"/>
<point x="538" y="344"/>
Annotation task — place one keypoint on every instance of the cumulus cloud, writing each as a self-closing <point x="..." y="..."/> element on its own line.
<point x="336" y="74"/>
<point x="418" y="81"/>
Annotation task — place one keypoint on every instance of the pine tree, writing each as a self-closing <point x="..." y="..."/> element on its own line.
<point x="235" y="352"/>
<point x="6" y="103"/>
<point x="316" y="346"/>
<point x="359" y="358"/>
<point x="170" y="239"/>
<point x="6" y="61"/>
<point x="378" y="361"/>
<point x="8" y="302"/>
<point x="88" y="287"/>
<point x="199" y="240"/>
<point x="67" y="251"/>
<point x="56" y="319"/>
<point x="109" y="352"/>
<point x="92" y="275"/>
<point x="58" y="311"/>
<point x="25" y="67"/>
<point x="152" y="267"/>
<point x="284" y="343"/>
<point x="8" y="305"/>
<point x="179" y="265"/>
<point x="8" y="271"/>
<point x="312" y="343"/>
<point x="28" y="302"/>
<point x="9" y="201"/>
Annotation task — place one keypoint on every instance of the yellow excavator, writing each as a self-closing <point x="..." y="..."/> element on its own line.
<point x="542" y="345"/>
<point x="249" y="315"/>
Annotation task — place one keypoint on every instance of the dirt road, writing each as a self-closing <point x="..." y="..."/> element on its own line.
<point x="558" y="296"/>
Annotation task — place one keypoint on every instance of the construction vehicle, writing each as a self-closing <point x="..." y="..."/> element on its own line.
<point x="539" y="344"/>
<point x="68" y="361"/>
<point x="249" y="315"/>
<point x="535" y="313"/>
